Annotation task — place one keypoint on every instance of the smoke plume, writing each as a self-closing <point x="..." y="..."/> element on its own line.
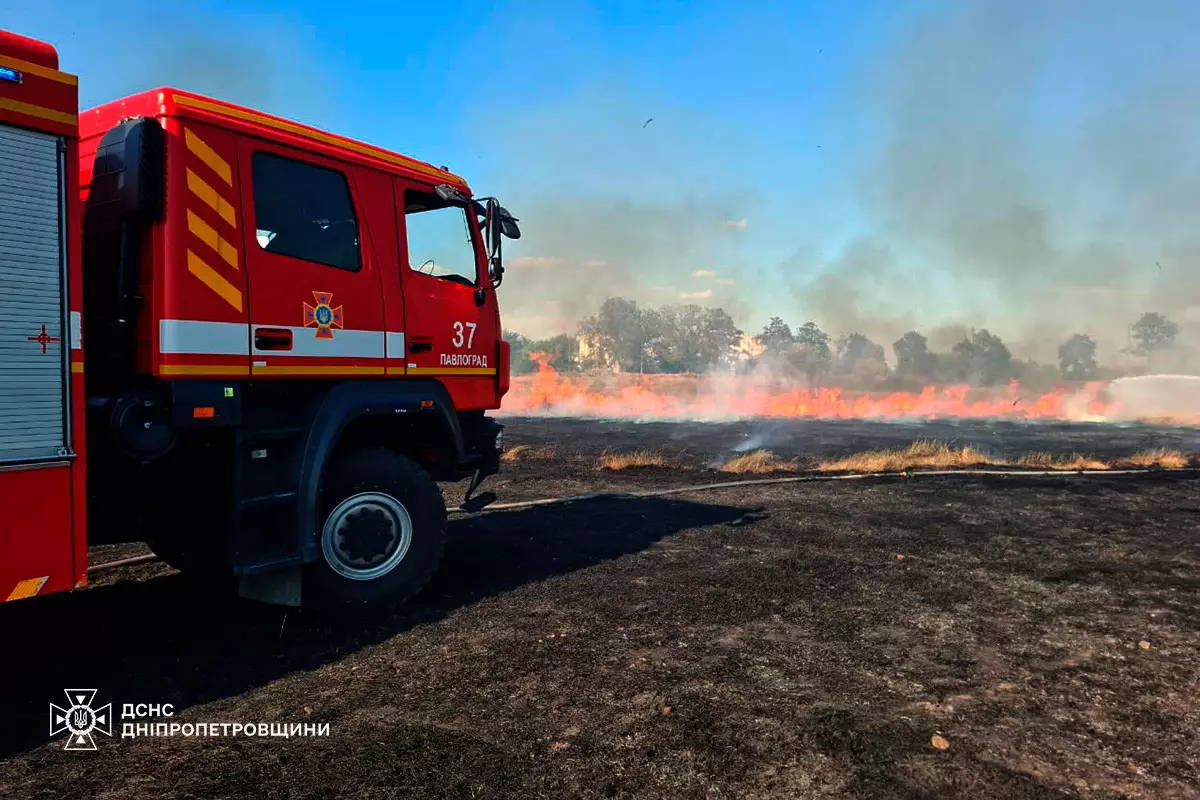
<point x="1037" y="175"/>
<point x="614" y="207"/>
<point x="268" y="61"/>
<point x="1030" y="168"/>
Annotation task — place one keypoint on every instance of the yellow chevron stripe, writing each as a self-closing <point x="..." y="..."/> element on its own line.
<point x="37" y="69"/>
<point x="210" y="237"/>
<point x="210" y="198"/>
<point x="209" y="156"/>
<point x="214" y="280"/>
<point x="28" y="588"/>
<point x="41" y="112"/>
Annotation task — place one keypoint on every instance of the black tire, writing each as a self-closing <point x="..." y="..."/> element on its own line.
<point x="369" y="478"/>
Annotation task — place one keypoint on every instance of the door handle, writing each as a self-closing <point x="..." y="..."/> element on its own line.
<point x="420" y="347"/>
<point x="272" y="339"/>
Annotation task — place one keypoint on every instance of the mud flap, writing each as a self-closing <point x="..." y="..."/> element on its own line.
<point x="281" y="587"/>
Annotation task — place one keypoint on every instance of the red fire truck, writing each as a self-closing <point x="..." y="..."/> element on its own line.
<point x="252" y="344"/>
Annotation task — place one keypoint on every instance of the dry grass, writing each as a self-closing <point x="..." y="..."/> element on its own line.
<point x="529" y="452"/>
<point x="923" y="453"/>
<point x="1049" y="461"/>
<point x="939" y="455"/>
<point x="637" y="458"/>
<point x="1161" y="457"/>
<point x="757" y="462"/>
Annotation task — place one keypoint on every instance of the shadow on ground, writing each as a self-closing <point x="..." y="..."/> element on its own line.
<point x="168" y="640"/>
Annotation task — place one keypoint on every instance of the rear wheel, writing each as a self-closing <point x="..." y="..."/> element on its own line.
<point x="382" y="533"/>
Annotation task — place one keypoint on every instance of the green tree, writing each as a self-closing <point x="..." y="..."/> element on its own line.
<point x="1153" y="332"/>
<point x="1077" y="357"/>
<point x="913" y="358"/>
<point x="563" y="350"/>
<point x="1035" y="377"/>
<point x="618" y="331"/>
<point x="814" y="338"/>
<point x="719" y="337"/>
<point x="776" y="337"/>
<point x="520" y="362"/>
<point x="690" y="338"/>
<point x="855" y="347"/>
<point x="983" y="359"/>
<point x="811" y="352"/>
<point x="860" y="359"/>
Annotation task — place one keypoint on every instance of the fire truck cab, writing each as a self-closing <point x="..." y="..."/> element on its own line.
<point x="283" y="340"/>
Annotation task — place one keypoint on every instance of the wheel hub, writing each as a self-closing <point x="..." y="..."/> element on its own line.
<point x="366" y="536"/>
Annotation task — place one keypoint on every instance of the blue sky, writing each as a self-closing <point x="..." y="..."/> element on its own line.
<point x="777" y="155"/>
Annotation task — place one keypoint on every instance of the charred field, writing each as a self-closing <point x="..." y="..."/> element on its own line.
<point x="787" y="640"/>
<point x="696" y="445"/>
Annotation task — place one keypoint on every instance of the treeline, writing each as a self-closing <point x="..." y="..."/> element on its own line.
<point x="980" y="359"/>
<point x="622" y="336"/>
<point x="688" y="338"/>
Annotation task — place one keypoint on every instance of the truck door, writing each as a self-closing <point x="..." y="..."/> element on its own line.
<point x="316" y="306"/>
<point x="448" y="333"/>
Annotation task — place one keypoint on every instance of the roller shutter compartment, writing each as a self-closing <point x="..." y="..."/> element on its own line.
<point x="32" y="347"/>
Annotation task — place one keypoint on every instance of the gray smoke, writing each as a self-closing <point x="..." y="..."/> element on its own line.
<point x="1039" y="176"/>
<point x="267" y="62"/>
<point x="615" y="207"/>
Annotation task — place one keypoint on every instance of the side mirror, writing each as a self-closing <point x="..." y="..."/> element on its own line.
<point x="494" y="227"/>
<point x="497" y="224"/>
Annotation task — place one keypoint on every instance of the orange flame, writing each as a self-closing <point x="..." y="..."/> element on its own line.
<point x="739" y="397"/>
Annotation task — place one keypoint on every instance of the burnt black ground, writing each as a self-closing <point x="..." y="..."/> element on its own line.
<point x="699" y="443"/>
<point x="799" y="654"/>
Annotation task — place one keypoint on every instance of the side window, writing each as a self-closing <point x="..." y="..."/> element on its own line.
<point x="439" y="238"/>
<point x="304" y="211"/>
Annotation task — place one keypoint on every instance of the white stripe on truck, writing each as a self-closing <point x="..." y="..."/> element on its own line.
<point x="201" y="337"/>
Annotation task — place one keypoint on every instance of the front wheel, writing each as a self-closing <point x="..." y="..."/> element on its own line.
<point x="383" y="530"/>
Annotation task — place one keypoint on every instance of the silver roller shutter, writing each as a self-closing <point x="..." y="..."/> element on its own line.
<point x="32" y="365"/>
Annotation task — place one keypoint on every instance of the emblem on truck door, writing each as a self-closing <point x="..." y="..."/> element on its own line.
<point x="323" y="315"/>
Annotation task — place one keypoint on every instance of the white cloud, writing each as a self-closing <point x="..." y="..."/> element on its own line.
<point x="535" y="261"/>
<point x="595" y="263"/>
<point x="736" y="223"/>
<point x="703" y="295"/>
<point x="703" y="273"/>
<point x="725" y="281"/>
